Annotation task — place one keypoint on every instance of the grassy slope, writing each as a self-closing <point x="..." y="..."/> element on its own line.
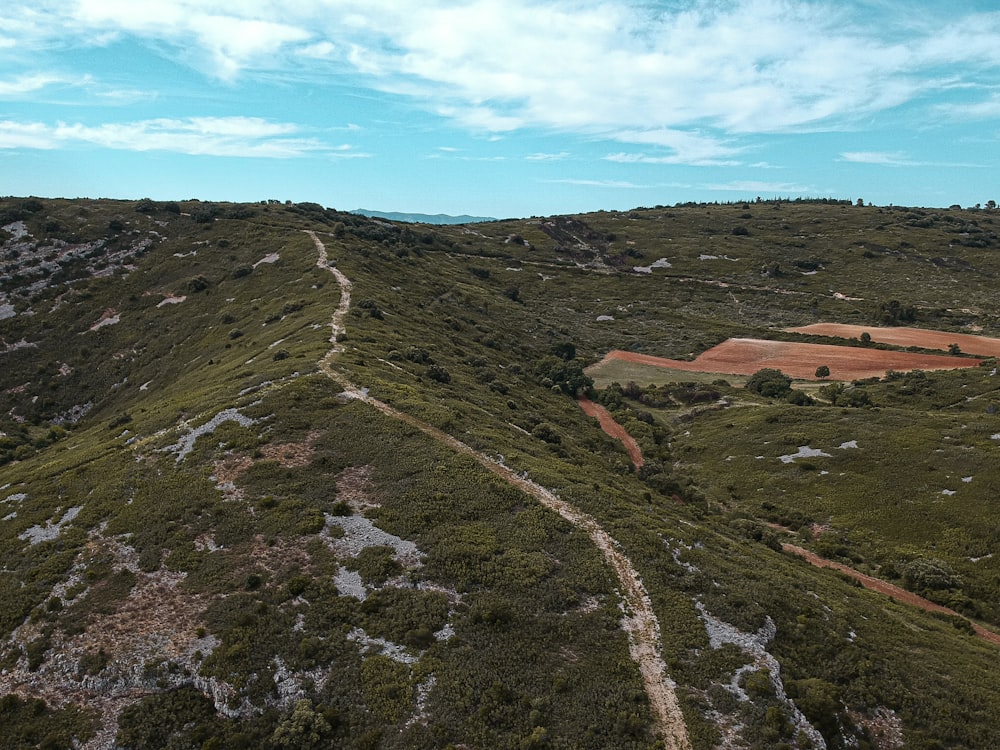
<point x="537" y="650"/>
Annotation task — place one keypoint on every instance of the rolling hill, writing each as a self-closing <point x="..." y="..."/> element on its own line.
<point x="283" y="476"/>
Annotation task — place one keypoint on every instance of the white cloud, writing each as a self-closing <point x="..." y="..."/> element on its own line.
<point x="899" y="159"/>
<point x="768" y="188"/>
<point x="884" y="158"/>
<point x="28" y="83"/>
<point x="248" y="137"/>
<point x="26" y="135"/>
<point x="636" y="72"/>
<point x="548" y="157"/>
<point x="987" y="109"/>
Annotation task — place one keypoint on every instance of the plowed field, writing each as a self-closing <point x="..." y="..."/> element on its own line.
<point x="925" y="339"/>
<point x="746" y="356"/>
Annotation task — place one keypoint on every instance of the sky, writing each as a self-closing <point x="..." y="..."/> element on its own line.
<point x="504" y="108"/>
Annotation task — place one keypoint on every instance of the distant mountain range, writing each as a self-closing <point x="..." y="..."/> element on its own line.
<point x="422" y="218"/>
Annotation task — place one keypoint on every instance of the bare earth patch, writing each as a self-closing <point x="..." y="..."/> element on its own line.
<point x="291" y="455"/>
<point x="923" y="338"/>
<point x="747" y="356"/>
<point x="612" y="429"/>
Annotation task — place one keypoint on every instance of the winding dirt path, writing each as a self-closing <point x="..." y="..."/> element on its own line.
<point x="612" y="429"/>
<point x="884" y="587"/>
<point x="639" y="619"/>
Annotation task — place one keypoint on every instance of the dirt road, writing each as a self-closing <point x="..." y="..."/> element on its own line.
<point x="612" y="429"/>
<point x="884" y="587"/>
<point x="638" y="620"/>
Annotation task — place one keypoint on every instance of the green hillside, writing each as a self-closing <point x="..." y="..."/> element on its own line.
<point x="252" y="496"/>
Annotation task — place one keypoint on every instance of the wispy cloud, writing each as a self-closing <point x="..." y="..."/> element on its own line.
<point x="898" y="159"/>
<point x="986" y="109"/>
<point x="695" y="78"/>
<point x="27" y="83"/>
<point x="766" y="188"/>
<point x="548" y="157"/>
<point x="883" y="158"/>
<point x="618" y="184"/>
<point x="248" y="137"/>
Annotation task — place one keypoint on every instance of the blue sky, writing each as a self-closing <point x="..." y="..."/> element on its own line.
<point x="501" y="107"/>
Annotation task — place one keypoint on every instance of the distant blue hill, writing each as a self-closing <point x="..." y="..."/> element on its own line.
<point x="422" y="218"/>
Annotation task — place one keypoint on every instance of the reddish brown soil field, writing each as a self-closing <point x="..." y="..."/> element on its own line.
<point x="746" y="356"/>
<point x="925" y="339"/>
<point x="612" y="428"/>
<point x="884" y="587"/>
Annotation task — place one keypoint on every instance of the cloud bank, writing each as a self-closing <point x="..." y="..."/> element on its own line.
<point x="691" y="81"/>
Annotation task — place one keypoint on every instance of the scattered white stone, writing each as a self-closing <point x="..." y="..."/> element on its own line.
<point x="966" y="479"/>
<point x="675" y="552"/>
<point x="10" y="516"/>
<point x="947" y="492"/>
<point x="22" y="344"/>
<point x="349" y="583"/>
<point x="424" y="688"/>
<point x="37" y="534"/>
<point x="848" y="444"/>
<point x="186" y="444"/>
<point x="387" y="648"/>
<point x="269" y="258"/>
<point x="17" y="497"/>
<point x="661" y="263"/>
<point x="74" y="415"/>
<point x="16" y="229"/>
<point x="172" y="300"/>
<point x="360" y="533"/>
<point x="445" y="633"/>
<point x="206" y="543"/>
<point x="604" y="318"/>
<point x="755" y="646"/>
<point x="7" y="311"/>
<point x="804" y="452"/>
<point x="109" y="318"/>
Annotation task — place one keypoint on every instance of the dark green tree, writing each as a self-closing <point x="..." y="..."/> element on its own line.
<point x="568" y="376"/>
<point x="769" y="383"/>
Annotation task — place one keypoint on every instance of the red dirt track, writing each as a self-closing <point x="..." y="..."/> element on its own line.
<point x="925" y="339"/>
<point x="746" y="356"/>
<point x="884" y="587"/>
<point x="612" y="428"/>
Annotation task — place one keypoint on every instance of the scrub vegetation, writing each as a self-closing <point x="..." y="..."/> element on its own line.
<point x="210" y="542"/>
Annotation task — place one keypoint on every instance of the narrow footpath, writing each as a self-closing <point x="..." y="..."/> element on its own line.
<point x="639" y="620"/>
